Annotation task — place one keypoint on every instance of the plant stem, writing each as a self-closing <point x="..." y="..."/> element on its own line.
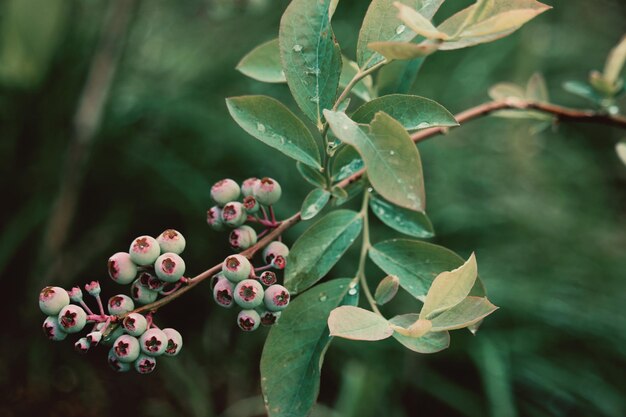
<point x="357" y="77"/>
<point x="365" y="246"/>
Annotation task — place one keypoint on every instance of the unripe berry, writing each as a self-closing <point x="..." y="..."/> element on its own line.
<point x="121" y="268"/>
<point x="267" y="191"/>
<point x="94" y="338"/>
<point x="248" y="320"/>
<point x="174" y="342"/>
<point x="144" y="250"/>
<point x="142" y="294"/>
<point x="145" y="364"/>
<point x="52" y="300"/>
<point x="116" y="364"/>
<point x="214" y="218"/>
<point x="276" y="298"/>
<point x="247" y="186"/>
<point x="234" y="214"/>
<point x="171" y="241"/>
<point x="279" y="262"/>
<point x="150" y="281"/>
<point x="135" y="324"/>
<point x="275" y="249"/>
<point x="216" y="278"/>
<point x="93" y="288"/>
<point x="153" y="342"/>
<point x="223" y="292"/>
<point x="248" y="294"/>
<point x="251" y="204"/>
<point x="269" y="318"/>
<point x="169" y="267"/>
<point x="76" y="295"/>
<point x="126" y="348"/>
<point x="72" y="318"/>
<point x="52" y="329"/>
<point x="268" y="278"/>
<point x="236" y="268"/>
<point x="224" y="191"/>
<point x="120" y="304"/>
<point x="242" y="237"/>
<point x="82" y="345"/>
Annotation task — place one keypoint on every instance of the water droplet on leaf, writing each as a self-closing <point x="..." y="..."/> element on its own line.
<point x="352" y="291"/>
<point x="423" y="125"/>
<point x="297" y="48"/>
<point x="400" y="29"/>
<point x="260" y="127"/>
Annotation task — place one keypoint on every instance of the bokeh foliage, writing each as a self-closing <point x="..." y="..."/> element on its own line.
<point x="544" y="212"/>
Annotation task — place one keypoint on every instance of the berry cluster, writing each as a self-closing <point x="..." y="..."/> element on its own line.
<point x="254" y="290"/>
<point x="149" y="266"/>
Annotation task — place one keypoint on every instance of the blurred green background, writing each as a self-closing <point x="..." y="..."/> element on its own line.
<point x="545" y="212"/>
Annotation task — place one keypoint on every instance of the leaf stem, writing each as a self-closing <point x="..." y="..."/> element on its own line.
<point x="365" y="246"/>
<point x="357" y="77"/>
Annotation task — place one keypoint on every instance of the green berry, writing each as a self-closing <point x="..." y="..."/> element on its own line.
<point x="268" y="318"/>
<point x="76" y="295"/>
<point x="142" y="294"/>
<point x="144" y="250"/>
<point x="82" y="345"/>
<point x="224" y="191"/>
<point x="145" y="364"/>
<point x="267" y="191"/>
<point x="115" y="363"/>
<point x="94" y="338"/>
<point x="234" y="214"/>
<point x="120" y="304"/>
<point x="216" y="278"/>
<point x="242" y="237"/>
<point x="126" y="348"/>
<point x="150" y="281"/>
<point x="153" y="342"/>
<point x="223" y="292"/>
<point x="52" y="329"/>
<point x="236" y="268"/>
<point x="248" y="320"/>
<point x="72" y="318"/>
<point x="121" y="268"/>
<point x="268" y="278"/>
<point x="171" y="241"/>
<point x="135" y="324"/>
<point x="174" y="342"/>
<point x="275" y="249"/>
<point x="276" y="298"/>
<point x="52" y="300"/>
<point x="214" y="218"/>
<point x="247" y="186"/>
<point x="248" y="294"/>
<point x="169" y="267"/>
<point x="251" y="204"/>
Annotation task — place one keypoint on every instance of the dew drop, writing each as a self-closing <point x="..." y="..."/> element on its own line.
<point x="282" y="140"/>
<point x="370" y="189"/>
<point x="297" y="48"/>
<point x="260" y="127"/>
<point x="323" y="297"/>
<point x="315" y="99"/>
<point x="352" y="291"/>
<point x="423" y="125"/>
<point x="400" y="29"/>
<point x="392" y="153"/>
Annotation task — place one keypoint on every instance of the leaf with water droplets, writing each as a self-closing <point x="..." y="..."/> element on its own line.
<point x="357" y="323"/>
<point x="313" y="203"/>
<point x="387" y="289"/>
<point x="272" y="123"/>
<point x="413" y="112"/>
<point x="417" y="264"/>
<point x="311" y="57"/>
<point x="409" y="222"/>
<point x="393" y="163"/>
<point x="320" y="247"/>
<point x="431" y="342"/>
<point x="263" y="63"/>
<point x="295" y="346"/>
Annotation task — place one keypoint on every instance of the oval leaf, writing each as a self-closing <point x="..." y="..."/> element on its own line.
<point x="417" y="264"/>
<point x="319" y="248"/>
<point x="387" y="289"/>
<point x="450" y="288"/>
<point x="313" y="203"/>
<point x="409" y="222"/>
<point x="413" y="112"/>
<point x="311" y="175"/>
<point x="403" y="50"/>
<point x="417" y="22"/>
<point x="465" y="314"/>
<point x="431" y="342"/>
<point x="272" y="123"/>
<point x="263" y="63"/>
<point x="346" y="162"/>
<point x="295" y="346"/>
<point x="311" y="58"/>
<point x="417" y="329"/>
<point x="393" y="163"/>
<point x="358" y="324"/>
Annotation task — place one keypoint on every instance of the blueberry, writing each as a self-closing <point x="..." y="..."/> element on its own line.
<point x="224" y="191"/>
<point x="121" y="268"/>
<point x="171" y="241"/>
<point x="52" y="329"/>
<point x="267" y="191"/>
<point x="248" y="294"/>
<point x="242" y="237"/>
<point x="236" y="268"/>
<point x="223" y="292"/>
<point x="247" y="186"/>
<point x="120" y="304"/>
<point x="248" y="320"/>
<point x="153" y="342"/>
<point x="145" y="364"/>
<point x="82" y="345"/>
<point x="144" y="250"/>
<point x="234" y="214"/>
<point x="174" y="342"/>
<point x="275" y="249"/>
<point x="214" y="218"/>
<point x="72" y="318"/>
<point x="276" y="298"/>
<point x="268" y="278"/>
<point x="142" y="294"/>
<point x="268" y="318"/>
<point x="135" y="324"/>
<point x="169" y="267"/>
<point x="52" y="300"/>
<point x="251" y="204"/>
<point x="126" y="348"/>
<point x="116" y="364"/>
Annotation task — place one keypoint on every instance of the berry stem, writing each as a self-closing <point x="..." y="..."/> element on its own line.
<point x="272" y="216"/>
<point x="97" y="318"/>
<point x="100" y="306"/>
<point x="85" y="307"/>
<point x="263" y="268"/>
<point x="264" y="214"/>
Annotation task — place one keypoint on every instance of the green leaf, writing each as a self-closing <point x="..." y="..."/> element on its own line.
<point x="417" y="22"/>
<point x="409" y="222"/>
<point x="450" y="288"/>
<point x="536" y="88"/>
<point x="398" y="77"/>
<point x="352" y="190"/>
<point x="272" y="123"/>
<point x="311" y="175"/>
<point x="311" y="58"/>
<point x="313" y="203"/>
<point x="431" y="342"/>
<point x="488" y="20"/>
<point x="413" y="112"/>
<point x="363" y="88"/>
<point x="615" y="63"/>
<point x="263" y="63"/>
<point x="468" y="312"/>
<point x="295" y="347"/>
<point x="417" y="264"/>
<point x="319" y="248"/>
<point x="393" y="163"/>
<point x="403" y="50"/>
<point x="356" y="323"/>
<point x="504" y="91"/>
<point x="382" y="25"/>
<point x="583" y="90"/>
<point x="346" y="162"/>
<point x="387" y="289"/>
<point x="339" y="193"/>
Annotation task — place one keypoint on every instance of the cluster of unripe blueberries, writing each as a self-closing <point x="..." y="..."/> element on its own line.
<point x="135" y="341"/>
<point x="254" y="290"/>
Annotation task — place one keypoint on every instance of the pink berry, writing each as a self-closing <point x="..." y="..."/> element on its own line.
<point x="121" y="268"/>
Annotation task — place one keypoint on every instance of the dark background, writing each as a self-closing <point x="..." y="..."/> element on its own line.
<point x="543" y="211"/>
